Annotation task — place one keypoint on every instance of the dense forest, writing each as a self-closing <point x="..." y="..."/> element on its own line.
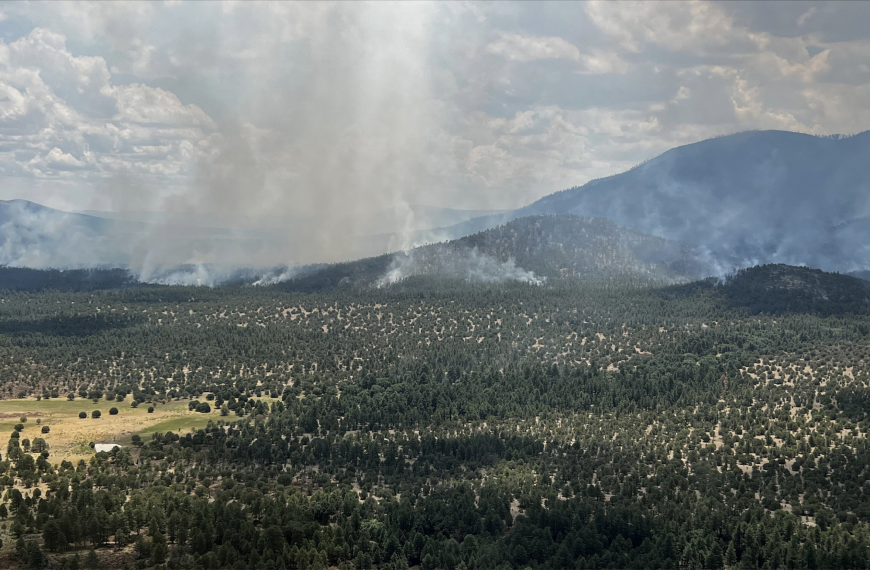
<point x="450" y="423"/>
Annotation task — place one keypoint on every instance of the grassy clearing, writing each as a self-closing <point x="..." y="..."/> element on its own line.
<point x="70" y="435"/>
<point x="189" y="422"/>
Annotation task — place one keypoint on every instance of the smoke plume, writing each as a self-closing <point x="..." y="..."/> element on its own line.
<point x="341" y="133"/>
<point x="467" y="264"/>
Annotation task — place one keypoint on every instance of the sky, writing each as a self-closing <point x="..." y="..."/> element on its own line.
<point x="315" y="115"/>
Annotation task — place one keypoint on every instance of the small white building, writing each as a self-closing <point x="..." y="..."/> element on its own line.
<point x="98" y="447"/>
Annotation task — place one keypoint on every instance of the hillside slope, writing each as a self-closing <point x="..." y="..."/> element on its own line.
<point x="532" y="249"/>
<point x="758" y="197"/>
<point x="764" y="197"/>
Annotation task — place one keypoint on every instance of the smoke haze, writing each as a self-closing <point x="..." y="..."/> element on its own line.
<point x="279" y="134"/>
<point x="467" y="264"/>
<point x="345" y="143"/>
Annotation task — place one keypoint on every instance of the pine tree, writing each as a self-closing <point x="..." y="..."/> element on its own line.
<point x="714" y="559"/>
<point x="730" y="555"/>
<point x="93" y="561"/>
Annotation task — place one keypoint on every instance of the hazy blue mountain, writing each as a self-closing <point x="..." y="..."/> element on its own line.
<point x="18" y="212"/>
<point x="863" y="274"/>
<point x="378" y="233"/>
<point x="764" y="197"/>
<point x="32" y="235"/>
<point x="760" y="197"/>
<point x="39" y="237"/>
<point x="143" y="216"/>
<point x="390" y="229"/>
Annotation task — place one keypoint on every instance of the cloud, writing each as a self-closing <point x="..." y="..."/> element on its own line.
<point x="518" y="47"/>
<point x="807" y="16"/>
<point x="62" y="116"/>
<point x="145" y="105"/>
<point x="524" y="48"/>
<point x="677" y="26"/>
<point x="60" y="160"/>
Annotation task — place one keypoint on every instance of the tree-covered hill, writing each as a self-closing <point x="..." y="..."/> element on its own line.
<point x="780" y="289"/>
<point x="534" y="249"/>
<point x="788" y="289"/>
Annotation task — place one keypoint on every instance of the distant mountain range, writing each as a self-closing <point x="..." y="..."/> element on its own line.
<point x="36" y="236"/>
<point x="385" y="224"/>
<point x="735" y="201"/>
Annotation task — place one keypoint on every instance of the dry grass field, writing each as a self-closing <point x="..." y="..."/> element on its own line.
<point x="69" y="436"/>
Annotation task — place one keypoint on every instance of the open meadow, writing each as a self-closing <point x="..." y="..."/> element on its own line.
<point x="69" y="436"/>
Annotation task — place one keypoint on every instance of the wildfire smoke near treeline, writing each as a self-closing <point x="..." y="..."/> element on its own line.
<point x="453" y="285"/>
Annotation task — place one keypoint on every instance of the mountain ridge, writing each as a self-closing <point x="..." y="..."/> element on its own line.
<point x="762" y="196"/>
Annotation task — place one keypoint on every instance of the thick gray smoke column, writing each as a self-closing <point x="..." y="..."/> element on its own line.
<point x="340" y="133"/>
<point x="214" y="224"/>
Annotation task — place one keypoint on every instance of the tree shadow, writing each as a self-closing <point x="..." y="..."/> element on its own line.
<point x="854" y="402"/>
<point x="68" y="326"/>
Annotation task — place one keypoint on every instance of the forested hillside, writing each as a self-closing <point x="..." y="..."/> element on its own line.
<point x="449" y="424"/>
<point x="534" y="249"/>
<point x="783" y="289"/>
